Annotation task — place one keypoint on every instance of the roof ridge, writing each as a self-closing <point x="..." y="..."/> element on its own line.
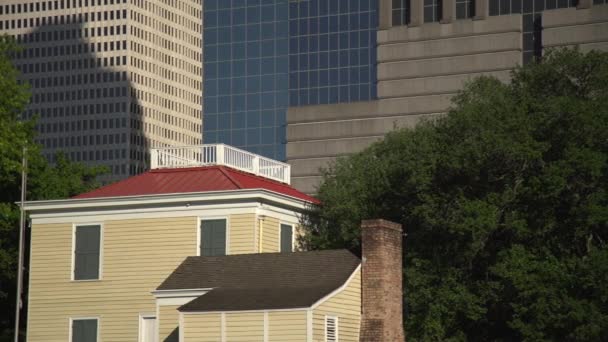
<point x="225" y="172"/>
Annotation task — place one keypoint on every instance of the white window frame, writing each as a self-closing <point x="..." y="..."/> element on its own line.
<point x="199" y="231"/>
<point x="83" y="318"/>
<point x="143" y="316"/>
<point x="335" y="318"/>
<point x="293" y="234"/>
<point x="101" y="234"/>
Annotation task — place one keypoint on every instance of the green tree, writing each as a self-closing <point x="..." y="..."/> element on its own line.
<point x="62" y="180"/>
<point x="504" y="201"/>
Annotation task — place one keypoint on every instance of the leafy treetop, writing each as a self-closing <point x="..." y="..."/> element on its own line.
<point x="505" y="205"/>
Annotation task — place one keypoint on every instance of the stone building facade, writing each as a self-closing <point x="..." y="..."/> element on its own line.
<point x="426" y="51"/>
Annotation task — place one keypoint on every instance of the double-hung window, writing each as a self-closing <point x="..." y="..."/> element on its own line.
<point x="87" y="252"/>
<point x="213" y="237"/>
<point x="83" y="330"/>
<point x="286" y="238"/>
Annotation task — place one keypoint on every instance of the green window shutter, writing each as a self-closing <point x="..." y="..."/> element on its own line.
<point x="213" y="237"/>
<point x="286" y="238"/>
<point x="86" y="252"/>
<point x="84" y="330"/>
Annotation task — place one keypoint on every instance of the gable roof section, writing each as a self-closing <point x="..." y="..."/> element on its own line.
<point x="189" y="180"/>
<point x="262" y="281"/>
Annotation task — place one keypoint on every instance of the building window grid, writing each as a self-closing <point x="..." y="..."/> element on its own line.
<point x="302" y="67"/>
<point x="245" y="59"/>
<point x="333" y="60"/>
<point x="42" y="98"/>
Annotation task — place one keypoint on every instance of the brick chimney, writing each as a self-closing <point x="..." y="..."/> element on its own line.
<point x="381" y="282"/>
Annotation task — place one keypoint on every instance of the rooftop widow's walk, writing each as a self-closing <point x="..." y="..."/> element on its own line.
<point x="219" y="154"/>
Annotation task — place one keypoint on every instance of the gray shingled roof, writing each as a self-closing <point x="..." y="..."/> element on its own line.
<point x="262" y="281"/>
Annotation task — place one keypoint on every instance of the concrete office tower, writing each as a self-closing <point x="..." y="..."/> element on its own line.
<point x="426" y="50"/>
<point x="110" y="78"/>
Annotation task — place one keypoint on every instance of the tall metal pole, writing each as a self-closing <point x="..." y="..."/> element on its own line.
<point x="21" y="243"/>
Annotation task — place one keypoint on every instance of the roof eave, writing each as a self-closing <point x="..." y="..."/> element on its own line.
<point x="126" y="201"/>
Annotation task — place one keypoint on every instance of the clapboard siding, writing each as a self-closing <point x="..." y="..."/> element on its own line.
<point x="168" y="321"/>
<point x="202" y="327"/>
<point x="242" y="234"/>
<point x="345" y="305"/>
<point x="287" y="326"/>
<point x="138" y="255"/>
<point x="245" y="327"/>
<point x="270" y="235"/>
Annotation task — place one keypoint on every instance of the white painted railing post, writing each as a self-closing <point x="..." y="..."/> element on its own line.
<point x="153" y="159"/>
<point x="256" y="165"/>
<point x="219" y="154"/>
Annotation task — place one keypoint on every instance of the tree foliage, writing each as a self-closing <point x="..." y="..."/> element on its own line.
<point x="504" y="201"/>
<point x="64" y="179"/>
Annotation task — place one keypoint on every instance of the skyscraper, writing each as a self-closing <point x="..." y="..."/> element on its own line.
<point x="110" y="78"/>
<point x="426" y="50"/>
<point x="262" y="56"/>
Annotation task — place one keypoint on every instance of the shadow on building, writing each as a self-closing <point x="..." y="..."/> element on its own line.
<point x="83" y="95"/>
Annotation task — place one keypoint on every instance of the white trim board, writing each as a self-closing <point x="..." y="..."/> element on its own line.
<point x="177" y="297"/>
<point x="143" y="316"/>
<point x="243" y="311"/>
<point x="151" y="212"/>
<point x="184" y="210"/>
<point x="125" y="201"/>
<point x="179" y="293"/>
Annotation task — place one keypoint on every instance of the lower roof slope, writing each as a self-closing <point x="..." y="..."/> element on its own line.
<point x="195" y="179"/>
<point x="262" y="281"/>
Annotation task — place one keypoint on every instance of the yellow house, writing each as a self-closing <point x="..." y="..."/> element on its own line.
<point x="203" y="248"/>
<point x="302" y="296"/>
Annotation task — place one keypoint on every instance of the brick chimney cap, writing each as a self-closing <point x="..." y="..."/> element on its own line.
<point x="381" y="223"/>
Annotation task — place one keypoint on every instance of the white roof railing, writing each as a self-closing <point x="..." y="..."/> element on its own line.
<point x="219" y="154"/>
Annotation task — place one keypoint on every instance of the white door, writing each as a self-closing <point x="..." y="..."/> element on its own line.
<point x="147" y="330"/>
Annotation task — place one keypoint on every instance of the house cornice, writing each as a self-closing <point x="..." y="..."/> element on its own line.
<point x="101" y="203"/>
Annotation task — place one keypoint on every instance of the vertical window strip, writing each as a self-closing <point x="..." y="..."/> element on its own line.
<point x="432" y="10"/>
<point x="465" y="9"/>
<point x="286" y="238"/>
<point x="401" y="12"/>
<point x="213" y="237"/>
<point x="87" y="250"/>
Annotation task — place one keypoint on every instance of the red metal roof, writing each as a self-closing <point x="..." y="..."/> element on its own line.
<point x="197" y="179"/>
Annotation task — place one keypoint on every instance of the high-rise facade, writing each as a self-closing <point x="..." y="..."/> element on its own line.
<point x="263" y="56"/>
<point x="425" y="51"/>
<point x="110" y="78"/>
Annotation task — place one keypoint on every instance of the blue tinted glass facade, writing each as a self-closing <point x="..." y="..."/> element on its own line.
<point x="332" y="55"/>
<point x="262" y="56"/>
<point x="245" y="56"/>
